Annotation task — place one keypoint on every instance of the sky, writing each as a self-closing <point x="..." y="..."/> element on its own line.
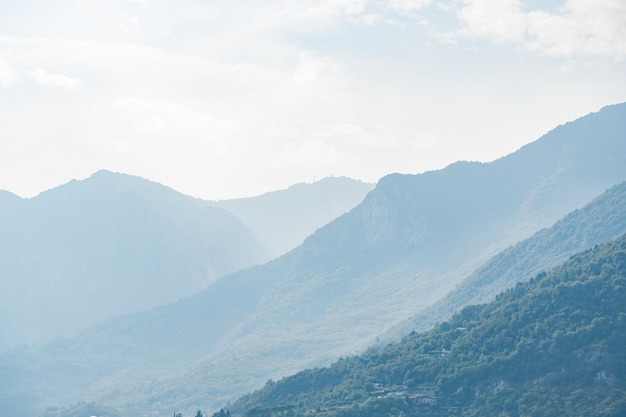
<point x="224" y="99"/>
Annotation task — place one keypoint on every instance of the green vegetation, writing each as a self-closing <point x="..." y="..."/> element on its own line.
<point x="552" y="346"/>
<point x="410" y="242"/>
<point x="83" y="409"/>
<point x="600" y="221"/>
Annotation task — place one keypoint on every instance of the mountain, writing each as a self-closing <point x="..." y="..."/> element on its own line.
<point x="133" y="244"/>
<point x="551" y="346"/>
<point x="601" y="220"/>
<point x="411" y="240"/>
<point x="82" y="410"/>
<point x="283" y="219"/>
<point x="105" y="246"/>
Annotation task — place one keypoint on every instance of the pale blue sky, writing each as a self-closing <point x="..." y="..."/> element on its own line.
<point x="233" y="98"/>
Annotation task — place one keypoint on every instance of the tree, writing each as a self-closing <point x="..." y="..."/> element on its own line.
<point x="221" y="413"/>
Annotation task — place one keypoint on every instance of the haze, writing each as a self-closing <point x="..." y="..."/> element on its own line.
<point x="228" y="99"/>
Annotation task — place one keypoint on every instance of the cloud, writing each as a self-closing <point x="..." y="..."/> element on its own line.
<point x="579" y="28"/>
<point x="312" y="66"/>
<point x="334" y="8"/>
<point x="8" y="75"/>
<point x="125" y="58"/>
<point x="160" y="125"/>
<point x="354" y="136"/>
<point x="141" y="3"/>
<point x="47" y="79"/>
<point x="277" y="90"/>
<point x="153" y="118"/>
<point x="309" y="153"/>
<point x="314" y="15"/>
<point x="407" y="5"/>
<point x="355" y="11"/>
<point x="501" y="20"/>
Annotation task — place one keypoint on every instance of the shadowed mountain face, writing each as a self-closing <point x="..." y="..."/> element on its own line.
<point x="108" y="245"/>
<point x="411" y="240"/>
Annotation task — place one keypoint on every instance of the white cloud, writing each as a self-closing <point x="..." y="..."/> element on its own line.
<point x="354" y="136"/>
<point x="580" y="28"/>
<point x="152" y="117"/>
<point x="501" y="20"/>
<point x="262" y="94"/>
<point x="310" y="153"/>
<point x="166" y="126"/>
<point x="312" y="66"/>
<point x="332" y="8"/>
<point x="307" y="15"/>
<point x="366" y="12"/>
<point x="141" y="3"/>
<point x="47" y="79"/>
<point x="116" y="59"/>
<point x="407" y="5"/>
<point x="8" y="75"/>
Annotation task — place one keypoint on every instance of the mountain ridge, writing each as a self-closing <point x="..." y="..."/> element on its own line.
<point x="108" y="226"/>
<point x="603" y="219"/>
<point x="110" y="231"/>
<point x="297" y="211"/>
<point x="410" y="241"/>
<point x="357" y="276"/>
<point x="549" y="346"/>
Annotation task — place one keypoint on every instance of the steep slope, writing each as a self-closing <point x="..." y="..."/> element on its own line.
<point x="550" y="346"/>
<point x="105" y="246"/>
<point x="601" y="220"/>
<point x="411" y="241"/>
<point x="283" y="219"/>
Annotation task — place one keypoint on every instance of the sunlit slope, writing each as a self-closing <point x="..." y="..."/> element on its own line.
<point x="550" y="346"/>
<point x="411" y="241"/>
<point x="601" y="220"/>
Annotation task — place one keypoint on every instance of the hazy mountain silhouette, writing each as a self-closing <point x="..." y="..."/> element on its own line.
<point x="283" y="219"/>
<point x="108" y="245"/>
<point x="412" y="239"/>
<point x="113" y="243"/>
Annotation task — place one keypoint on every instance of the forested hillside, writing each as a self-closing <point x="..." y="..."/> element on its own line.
<point x="552" y="346"/>
<point x="601" y="220"/>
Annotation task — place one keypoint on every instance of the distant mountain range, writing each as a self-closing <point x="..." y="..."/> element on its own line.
<point x="109" y="245"/>
<point x="411" y="241"/>
<point x="113" y="244"/>
<point x="549" y="347"/>
<point x="283" y="219"/>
